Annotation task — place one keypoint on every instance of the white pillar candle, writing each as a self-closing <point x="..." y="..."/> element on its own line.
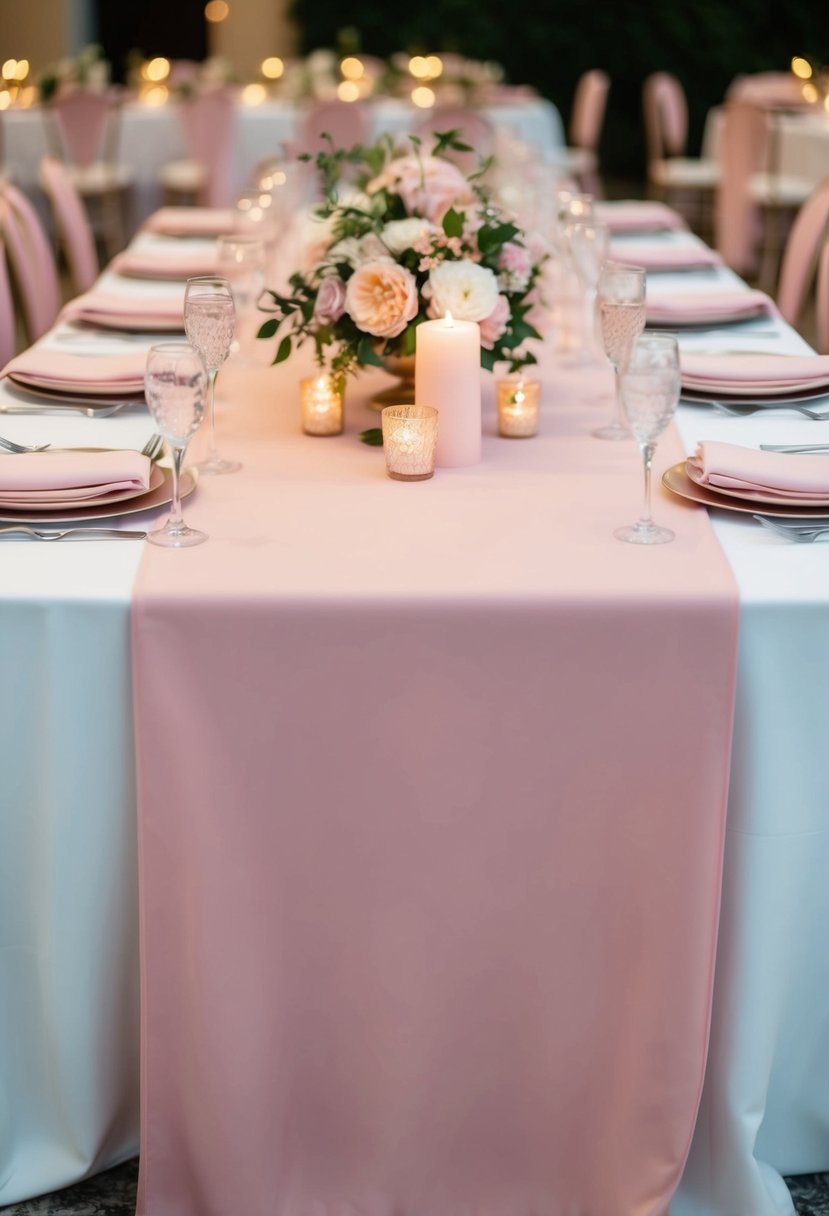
<point x="448" y="378"/>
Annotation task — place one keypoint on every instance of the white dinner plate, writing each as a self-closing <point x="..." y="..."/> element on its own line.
<point x="149" y="500"/>
<point x="676" y="480"/>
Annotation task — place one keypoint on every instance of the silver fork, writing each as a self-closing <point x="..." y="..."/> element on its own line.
<point x="740" y="411"/>
<point x="28" y="533"/>
<point x="153" y="447"/>
<point x="800" y="533"/>
<point x="8" y="445"/>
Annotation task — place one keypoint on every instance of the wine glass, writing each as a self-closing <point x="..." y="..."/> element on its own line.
<point x="587" y="243"/>
<point x="209" y="321"/>
<point x="242" y="262"/>
<point x="621" y="296"/>
<point x="175" y="385"/>
<point x="650" y="392"/>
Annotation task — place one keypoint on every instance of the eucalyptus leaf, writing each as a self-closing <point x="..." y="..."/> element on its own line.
<point x="268" y="328"/>
<point x="283" y="351"/>
<point x="373" y="437"/>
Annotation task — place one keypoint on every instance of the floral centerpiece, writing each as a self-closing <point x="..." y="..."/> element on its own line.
<point x="412" y="239"/>
<point x="88" y="69"/>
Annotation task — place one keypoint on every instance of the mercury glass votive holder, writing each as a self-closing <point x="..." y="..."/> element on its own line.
<point x="410" y="434"/>
<point x="519" y="401"/>
<point x="322" y="406"/>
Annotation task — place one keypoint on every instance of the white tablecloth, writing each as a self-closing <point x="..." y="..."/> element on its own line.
<point x="68" y="969"/>
<point x="150" y="138"/>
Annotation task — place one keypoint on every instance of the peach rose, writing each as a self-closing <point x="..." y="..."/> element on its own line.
<point x="381" y="298"/>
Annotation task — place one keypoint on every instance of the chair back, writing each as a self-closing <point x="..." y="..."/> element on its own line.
<point x="803" y="245"/>
<point x="82" y="118"/>
<point x="72" y="223"/>
<point x="665" y="112"/>
<point x="743" y="146"/>
<point x="589" y="105"/>
<point x="822" y="300"/>
<point x="345" y="121"/>
<point x="7" y="332"/>
<point x="206" y="119"/>
<point x="32" y="261"/>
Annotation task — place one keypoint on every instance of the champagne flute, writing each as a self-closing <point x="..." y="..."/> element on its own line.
<point x="588" y="244"/>
<point x="242" y="262"/>
<point x="621" y="295"/>
<point x="650" y="392"/>
<point x="175" y="385"/>
<point x="209" y="321"/>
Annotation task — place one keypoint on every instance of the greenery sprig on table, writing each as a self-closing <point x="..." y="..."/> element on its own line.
<point x="408" y="237"/>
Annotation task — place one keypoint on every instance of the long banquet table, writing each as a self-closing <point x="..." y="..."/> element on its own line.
<point x="68" y="1054"/>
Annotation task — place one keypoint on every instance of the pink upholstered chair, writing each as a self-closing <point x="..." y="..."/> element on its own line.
<point x="32" y="262"/>
<point x="206" y="119"/>
<point x="581" y="157"/>
<point x="688" y="183"/>
<point x="345" y="121"/>
<point x="800" y="257"/>
<point x="8" y="342"/>
<point x="754" y="200"/>
<point x="83" y="132"/>
<point x="71" y="223"/>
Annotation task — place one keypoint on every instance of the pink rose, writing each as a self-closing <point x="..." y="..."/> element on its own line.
<point x="428" y="186"/>
<point x="330" y="302"/>
<point x="381" y="298"/>
<point x="494" y="326"/>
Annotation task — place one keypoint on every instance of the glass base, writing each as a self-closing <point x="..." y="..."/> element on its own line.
<point x="613" y="430"/>
<point x="180" y="537"/>
<point x="216" y="465"/>
<point x="644" y="534"/>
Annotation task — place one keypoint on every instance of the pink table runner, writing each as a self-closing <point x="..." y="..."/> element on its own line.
<point x="432" y="787"/>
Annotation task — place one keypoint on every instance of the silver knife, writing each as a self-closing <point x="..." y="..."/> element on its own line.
<point x="795" y="447"/>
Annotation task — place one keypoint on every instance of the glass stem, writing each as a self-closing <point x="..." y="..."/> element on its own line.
<point x="589" y="320"/>
<point x="647" y="450"/>
<point x="175" y="522"/>
<point x="213" y="452"/>
<point x="621" y="420"/>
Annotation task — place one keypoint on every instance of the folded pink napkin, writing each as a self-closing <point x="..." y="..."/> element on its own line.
<point x="755" y="375"/>
<point x="655" y="256"/>
<point x="40" y="480"/>
<point x="94" y="374"/>
<point x="127" y="312"/>
<point x="709" y="307"/>
<point x="191" y="221"/>
<point x="635" y="215"/>
<point x="729" y="467"/>
<point x="165" y="264"/>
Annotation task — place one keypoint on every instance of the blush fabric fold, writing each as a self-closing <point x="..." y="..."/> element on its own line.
<point x="758" y="375"/>
<point x="635" y="215"/>
<point x="191" y="221"/>
<point x="165" y="264"/>
<point x="68" y="479"/>
<point x="41" y="367"/>
<point x="657" y="256"/>
<point x="110" y="310"/>
<point x="708" y="307"/>
<point x="728" y="466"/>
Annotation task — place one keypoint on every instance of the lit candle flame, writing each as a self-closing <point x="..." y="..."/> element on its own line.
<point x="449" y="319"/>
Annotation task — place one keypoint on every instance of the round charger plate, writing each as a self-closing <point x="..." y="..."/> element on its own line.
<point x="80" y="393"/>
<point x="676" y="480"/>
<point x="760" y="496"/>
<point x="152" y="498"/>
<point x="102" y="500"/>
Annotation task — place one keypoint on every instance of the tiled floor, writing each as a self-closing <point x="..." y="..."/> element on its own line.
<point x="113" y="1194"/>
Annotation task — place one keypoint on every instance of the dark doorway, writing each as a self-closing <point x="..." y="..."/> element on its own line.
<point x="175" y="28"/>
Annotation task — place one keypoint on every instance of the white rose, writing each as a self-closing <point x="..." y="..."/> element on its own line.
<point x="356" y="252"/>
<point x="467" y="290"/>
<point x="400" y="235"/>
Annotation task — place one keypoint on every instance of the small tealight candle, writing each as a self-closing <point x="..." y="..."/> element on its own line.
<point x="409" y="437"/>
<point x="518" y="406"/>
<point x="322" y="406"/>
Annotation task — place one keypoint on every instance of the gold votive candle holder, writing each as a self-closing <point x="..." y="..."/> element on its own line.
<point x="410" y="434"/>
<point x="519" y="402"/>
<point x="321" y="403"/>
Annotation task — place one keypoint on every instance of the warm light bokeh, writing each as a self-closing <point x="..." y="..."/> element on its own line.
<point x="423" y="97"/>
<point x="348" y="90"/>
<point x="216" y="10"/>
<point x="157" y="69"/>
<point x="254" y="94"/>
<point x="801" y="67"/>
<point x="272" y="67"/>
<point x="352" y="68"/>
